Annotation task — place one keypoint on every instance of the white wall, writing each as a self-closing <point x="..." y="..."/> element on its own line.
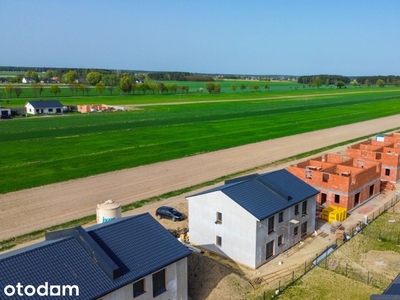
<point x="244" y="238"/>
<point x="176" y="285"/>
<point x="237" y="230"/>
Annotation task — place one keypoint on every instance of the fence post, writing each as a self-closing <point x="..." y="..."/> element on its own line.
<point x="305" y="267"/>
<point x="346" y="269"/>
<point x="368" y="278"/>
<point x="292" y="276"/>
<point x="264" y="296"/>
<point x="279" y="288"/>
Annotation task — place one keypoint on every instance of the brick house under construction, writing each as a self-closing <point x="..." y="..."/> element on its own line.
<point x="386" y="152"/>
<point x="344" y="182"/>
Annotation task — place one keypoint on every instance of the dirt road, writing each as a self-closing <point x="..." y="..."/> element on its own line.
<point x="28" y="210"/>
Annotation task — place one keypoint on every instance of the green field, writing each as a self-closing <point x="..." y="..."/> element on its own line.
<point x="71" y="97"/>
<point x="43" y="150"/>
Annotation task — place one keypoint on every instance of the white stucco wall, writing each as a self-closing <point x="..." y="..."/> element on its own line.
<point x="237" y="229"/>
<point x="176" y="285"/>
<point x="244" y="238"/>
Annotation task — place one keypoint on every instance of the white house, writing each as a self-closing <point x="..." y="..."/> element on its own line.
<point x="44" y="107"/>
<point x="127" y="258"/>
<point x="28" y="80"/>
<point x="253" y="218"/>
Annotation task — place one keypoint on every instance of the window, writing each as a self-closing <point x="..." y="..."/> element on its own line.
<point x="387" y="172"/>
<point x="159" y="283"/>
<point x="280" y="240"/>
<point x="296" y="231"/>
<point x="296" y="209"/>
<point x="271" y="224"/>
<point x="304" y="208"/>
<point x="323" y="198"/>
<point x="138" y="288"/>
<point x="269" y="249"/>
<point x="219" y="218"/>
<point x="50" y="110"/>
<point x="218" y="241"/>
<point x="281" y="217"/>
<point x="337" y="198"/>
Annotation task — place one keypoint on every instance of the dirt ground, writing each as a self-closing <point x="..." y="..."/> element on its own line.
<point x="32" y="209"/>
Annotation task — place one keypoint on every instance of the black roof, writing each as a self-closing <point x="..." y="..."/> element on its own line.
<point x="134" y="246"/>
<point x="266" y="194"/>
<point x="45" y="103"/>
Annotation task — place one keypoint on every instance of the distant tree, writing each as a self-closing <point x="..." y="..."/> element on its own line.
<point x="93" y="78"/>
<point x="9" y="89"/>
<point x="234" y="87"/>
<point x="185" y="88"/>
<point x="327" y="82"/>
<point x="340" y="84"/>
<point x="125" y="84"/>
<point x="174" y="88"/>
<point x="70" y="77"/>
<point x="161" y="87"/>
<point x="242" y="87"/>
<point x="318" y="82"/>
<point x="210" y="86"/>
<point x="87" y="89"/>
<point x="367" y="82"/>
<point x="40" y="89"/>
<point x="152" y="87"/>
<point x="55" y="89"/>
<point x="144" y="87"/>
<point x="380" y="82"/>
<point x="34" y="87"/>
<point x="110" y="79"/>
<point x="32" y="74"/>
<point x="256" y="87"/>
<point x="110" y="88"/>
<point x="355" y="83"/>
<point x="266" y="86"/>
<point x="100" y="87"/>
<point x="18" y="91"/>
<point x="217" y="88"/>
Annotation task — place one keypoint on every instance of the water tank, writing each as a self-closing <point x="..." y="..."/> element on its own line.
<point x="108" y="211"/>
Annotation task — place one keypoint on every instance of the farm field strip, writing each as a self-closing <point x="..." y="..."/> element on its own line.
<point x="48" y="150"/>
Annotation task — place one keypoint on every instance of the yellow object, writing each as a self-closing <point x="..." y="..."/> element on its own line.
<point x="334" y="213"/>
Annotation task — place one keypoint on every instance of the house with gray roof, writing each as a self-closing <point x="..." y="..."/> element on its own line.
<point x="253" y="218"/>
<point x="128" y="258"/>
<point x="44" y="107"/>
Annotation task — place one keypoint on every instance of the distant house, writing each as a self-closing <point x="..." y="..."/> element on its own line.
<point x="4" y="80"/>
<point x="127" y="258"/>
<point x="44" y="107"/>
<point x="28" y="80"/>
<point x="254" y="218"/>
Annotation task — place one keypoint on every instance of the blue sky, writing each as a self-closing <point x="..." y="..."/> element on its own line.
<point x="263" y="37"/>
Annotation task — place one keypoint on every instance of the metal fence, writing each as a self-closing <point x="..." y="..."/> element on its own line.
<point x="278" y="283"/>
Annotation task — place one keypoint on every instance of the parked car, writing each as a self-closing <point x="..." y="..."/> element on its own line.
<point x="169" y="213"/>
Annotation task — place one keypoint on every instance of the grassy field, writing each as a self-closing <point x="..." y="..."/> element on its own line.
<point x="364" y="265"/>
<point x="43" y="150"/>
<point x="275" y="87"/>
